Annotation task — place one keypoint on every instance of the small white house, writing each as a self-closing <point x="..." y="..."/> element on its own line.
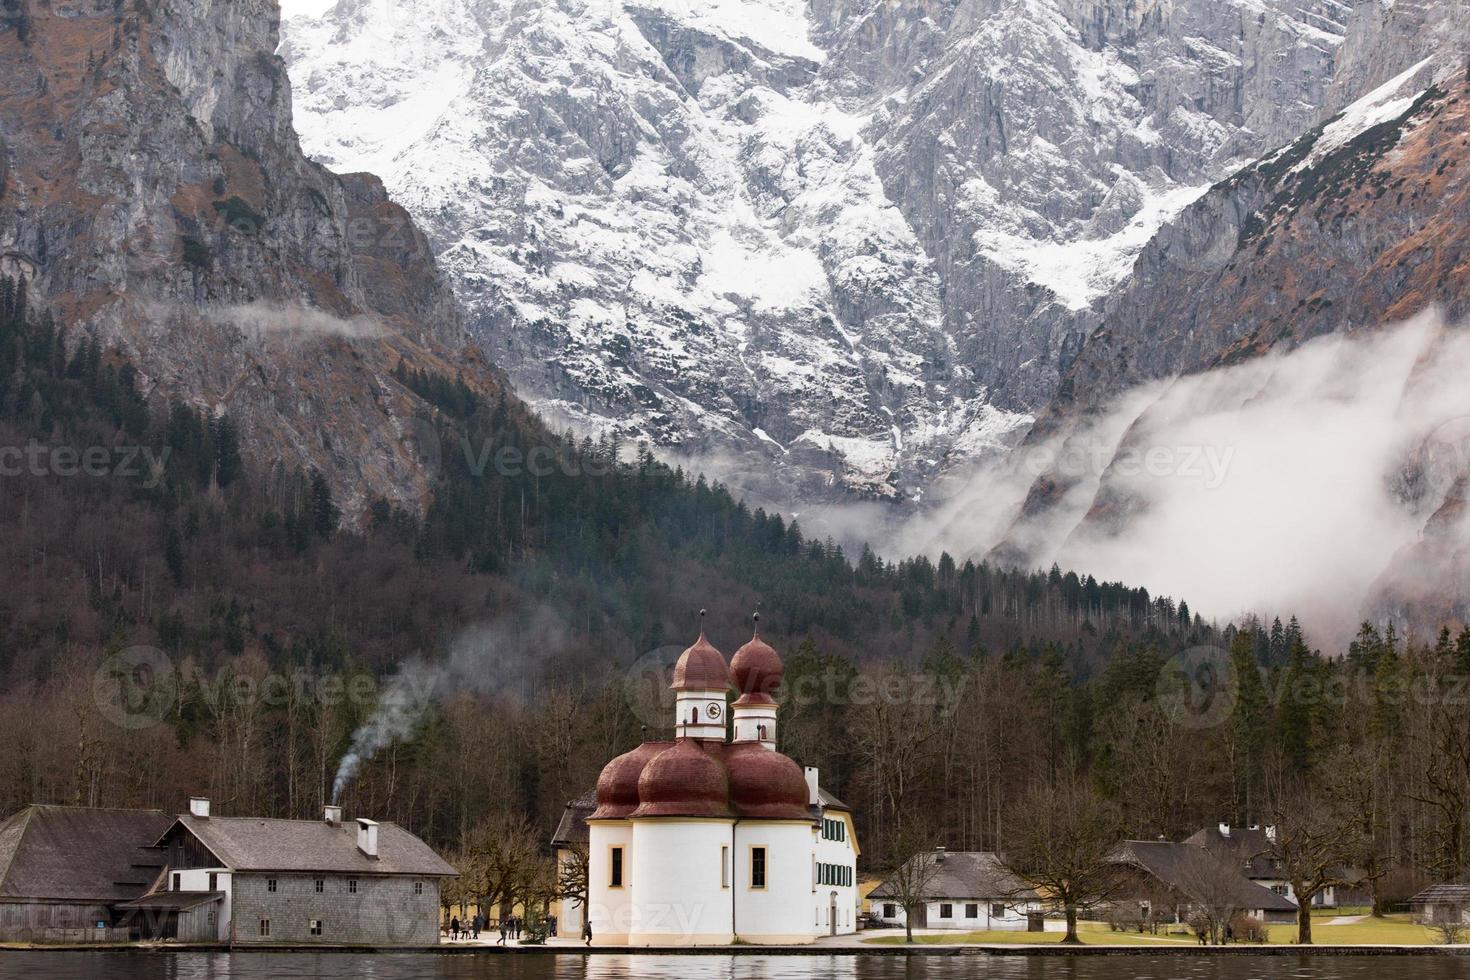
<point x="970" y="891"/>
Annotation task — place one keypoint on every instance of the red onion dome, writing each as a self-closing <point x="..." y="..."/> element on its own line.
<point x="684" y="781"/>
<point x="766" y="785"/>
<point x="757" y="671"/>
<point x="701" y="668"/>
<point x="617" y="786"/>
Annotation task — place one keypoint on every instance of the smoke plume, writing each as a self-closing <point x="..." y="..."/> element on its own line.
<point x="504" y="657"/>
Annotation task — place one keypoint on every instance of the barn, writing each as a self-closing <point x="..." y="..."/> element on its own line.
<point x="66" y="873"/>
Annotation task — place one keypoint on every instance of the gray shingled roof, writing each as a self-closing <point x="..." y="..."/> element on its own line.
<point x="831" y="802"/>
<point x="572" y="828"/>
<point x="968" y="874"/>
<point x="260" y="844"/>
<point x="1245" y="843"/>
<point x="64" y="853"/>
<point x="1445" y="893"/>
<point x="1167" y="862"/>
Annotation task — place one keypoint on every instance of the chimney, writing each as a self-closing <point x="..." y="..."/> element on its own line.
<point x="367" y="837"/>
<point x="1224" y="830"/>
<point x="939" y="854"/>
<point x="813" y="790"/>
<point x="199" y="807"/>
<point x="332" y="814"/>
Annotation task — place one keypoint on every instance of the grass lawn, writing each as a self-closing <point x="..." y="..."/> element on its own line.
<point x="1091" y="934"/>
<point x="1390" y="930"/>
<point x="1395" y="930"/>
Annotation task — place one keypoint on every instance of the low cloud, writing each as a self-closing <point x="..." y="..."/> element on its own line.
<point x="264" y="317"/>
<point x="1286" y="484"/>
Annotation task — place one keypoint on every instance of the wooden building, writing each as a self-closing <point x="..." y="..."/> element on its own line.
<point x="68" y="873"/>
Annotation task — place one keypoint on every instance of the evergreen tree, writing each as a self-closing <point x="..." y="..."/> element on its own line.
<point x="324" y="513"/>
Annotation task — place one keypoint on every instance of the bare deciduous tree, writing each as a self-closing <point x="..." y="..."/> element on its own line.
<point x="1313" y="839"/>
<point x="914" y="872"/>
<point x="1211" y="884"/>
<point x="1061" y="841"/>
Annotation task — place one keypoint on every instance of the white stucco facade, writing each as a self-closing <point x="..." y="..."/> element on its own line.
<point x="965" y="914"/>
<point x="834" y="874"/>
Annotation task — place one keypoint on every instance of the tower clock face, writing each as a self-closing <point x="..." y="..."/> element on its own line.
<point x="712" y="710"/>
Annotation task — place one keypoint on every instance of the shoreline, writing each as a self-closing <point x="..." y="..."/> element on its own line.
<point x="978" y="950"/>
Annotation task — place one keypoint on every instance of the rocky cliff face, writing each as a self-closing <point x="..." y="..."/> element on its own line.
<point x="156" y="195"/>
<point x="854" y="243"/>
<point x="1359" y="225"/>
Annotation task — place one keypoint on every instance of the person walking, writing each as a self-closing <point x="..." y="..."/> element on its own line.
<point x="503" y="927"/>
<point x="587" y="930"/>
<point x="454" y="928"/>
<point x="551" y="925"/>
<point x="475" y="926"/>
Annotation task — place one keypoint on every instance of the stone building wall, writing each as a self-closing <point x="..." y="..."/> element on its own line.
<point x="390" y="911"/>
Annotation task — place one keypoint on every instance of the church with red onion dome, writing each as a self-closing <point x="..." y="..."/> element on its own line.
<point x="713" y="836"/>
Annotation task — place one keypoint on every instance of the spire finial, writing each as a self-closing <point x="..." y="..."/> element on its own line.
<point x="756" y="619"/>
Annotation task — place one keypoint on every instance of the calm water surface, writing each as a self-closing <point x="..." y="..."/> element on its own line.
<point x="266" y="966"/>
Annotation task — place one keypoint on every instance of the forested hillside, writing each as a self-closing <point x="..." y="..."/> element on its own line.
<point x="542" y="571"/>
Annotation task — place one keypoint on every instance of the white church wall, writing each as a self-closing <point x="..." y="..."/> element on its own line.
<point x="781" y="912"/>
<point x="679" y="895"/>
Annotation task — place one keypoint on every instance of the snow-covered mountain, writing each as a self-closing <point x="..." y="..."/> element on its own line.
<point x="861" y="239"/>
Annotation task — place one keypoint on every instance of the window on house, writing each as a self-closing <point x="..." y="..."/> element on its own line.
<point x="615" y="879"/>
<point x="316" y="927"/>
<point x="946" y="911"/>
<point x="890" y="911"/>
<point x="757" y="867"/>
<point x="352" y="886"/>
<point x="725" y="866"/>
<point x="213" y="881"/>
<point x="270" y="884"/>
<point x="321" y="885"/>
<point x="418" y="888"/>
<point x="178" y="882"/>
<point x="265" y="928"/>
<point x="972" y="911"/>
<point x="997" y="911"/>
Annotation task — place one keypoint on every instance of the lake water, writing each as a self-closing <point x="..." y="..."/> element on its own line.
<point x="352" y="966"/>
